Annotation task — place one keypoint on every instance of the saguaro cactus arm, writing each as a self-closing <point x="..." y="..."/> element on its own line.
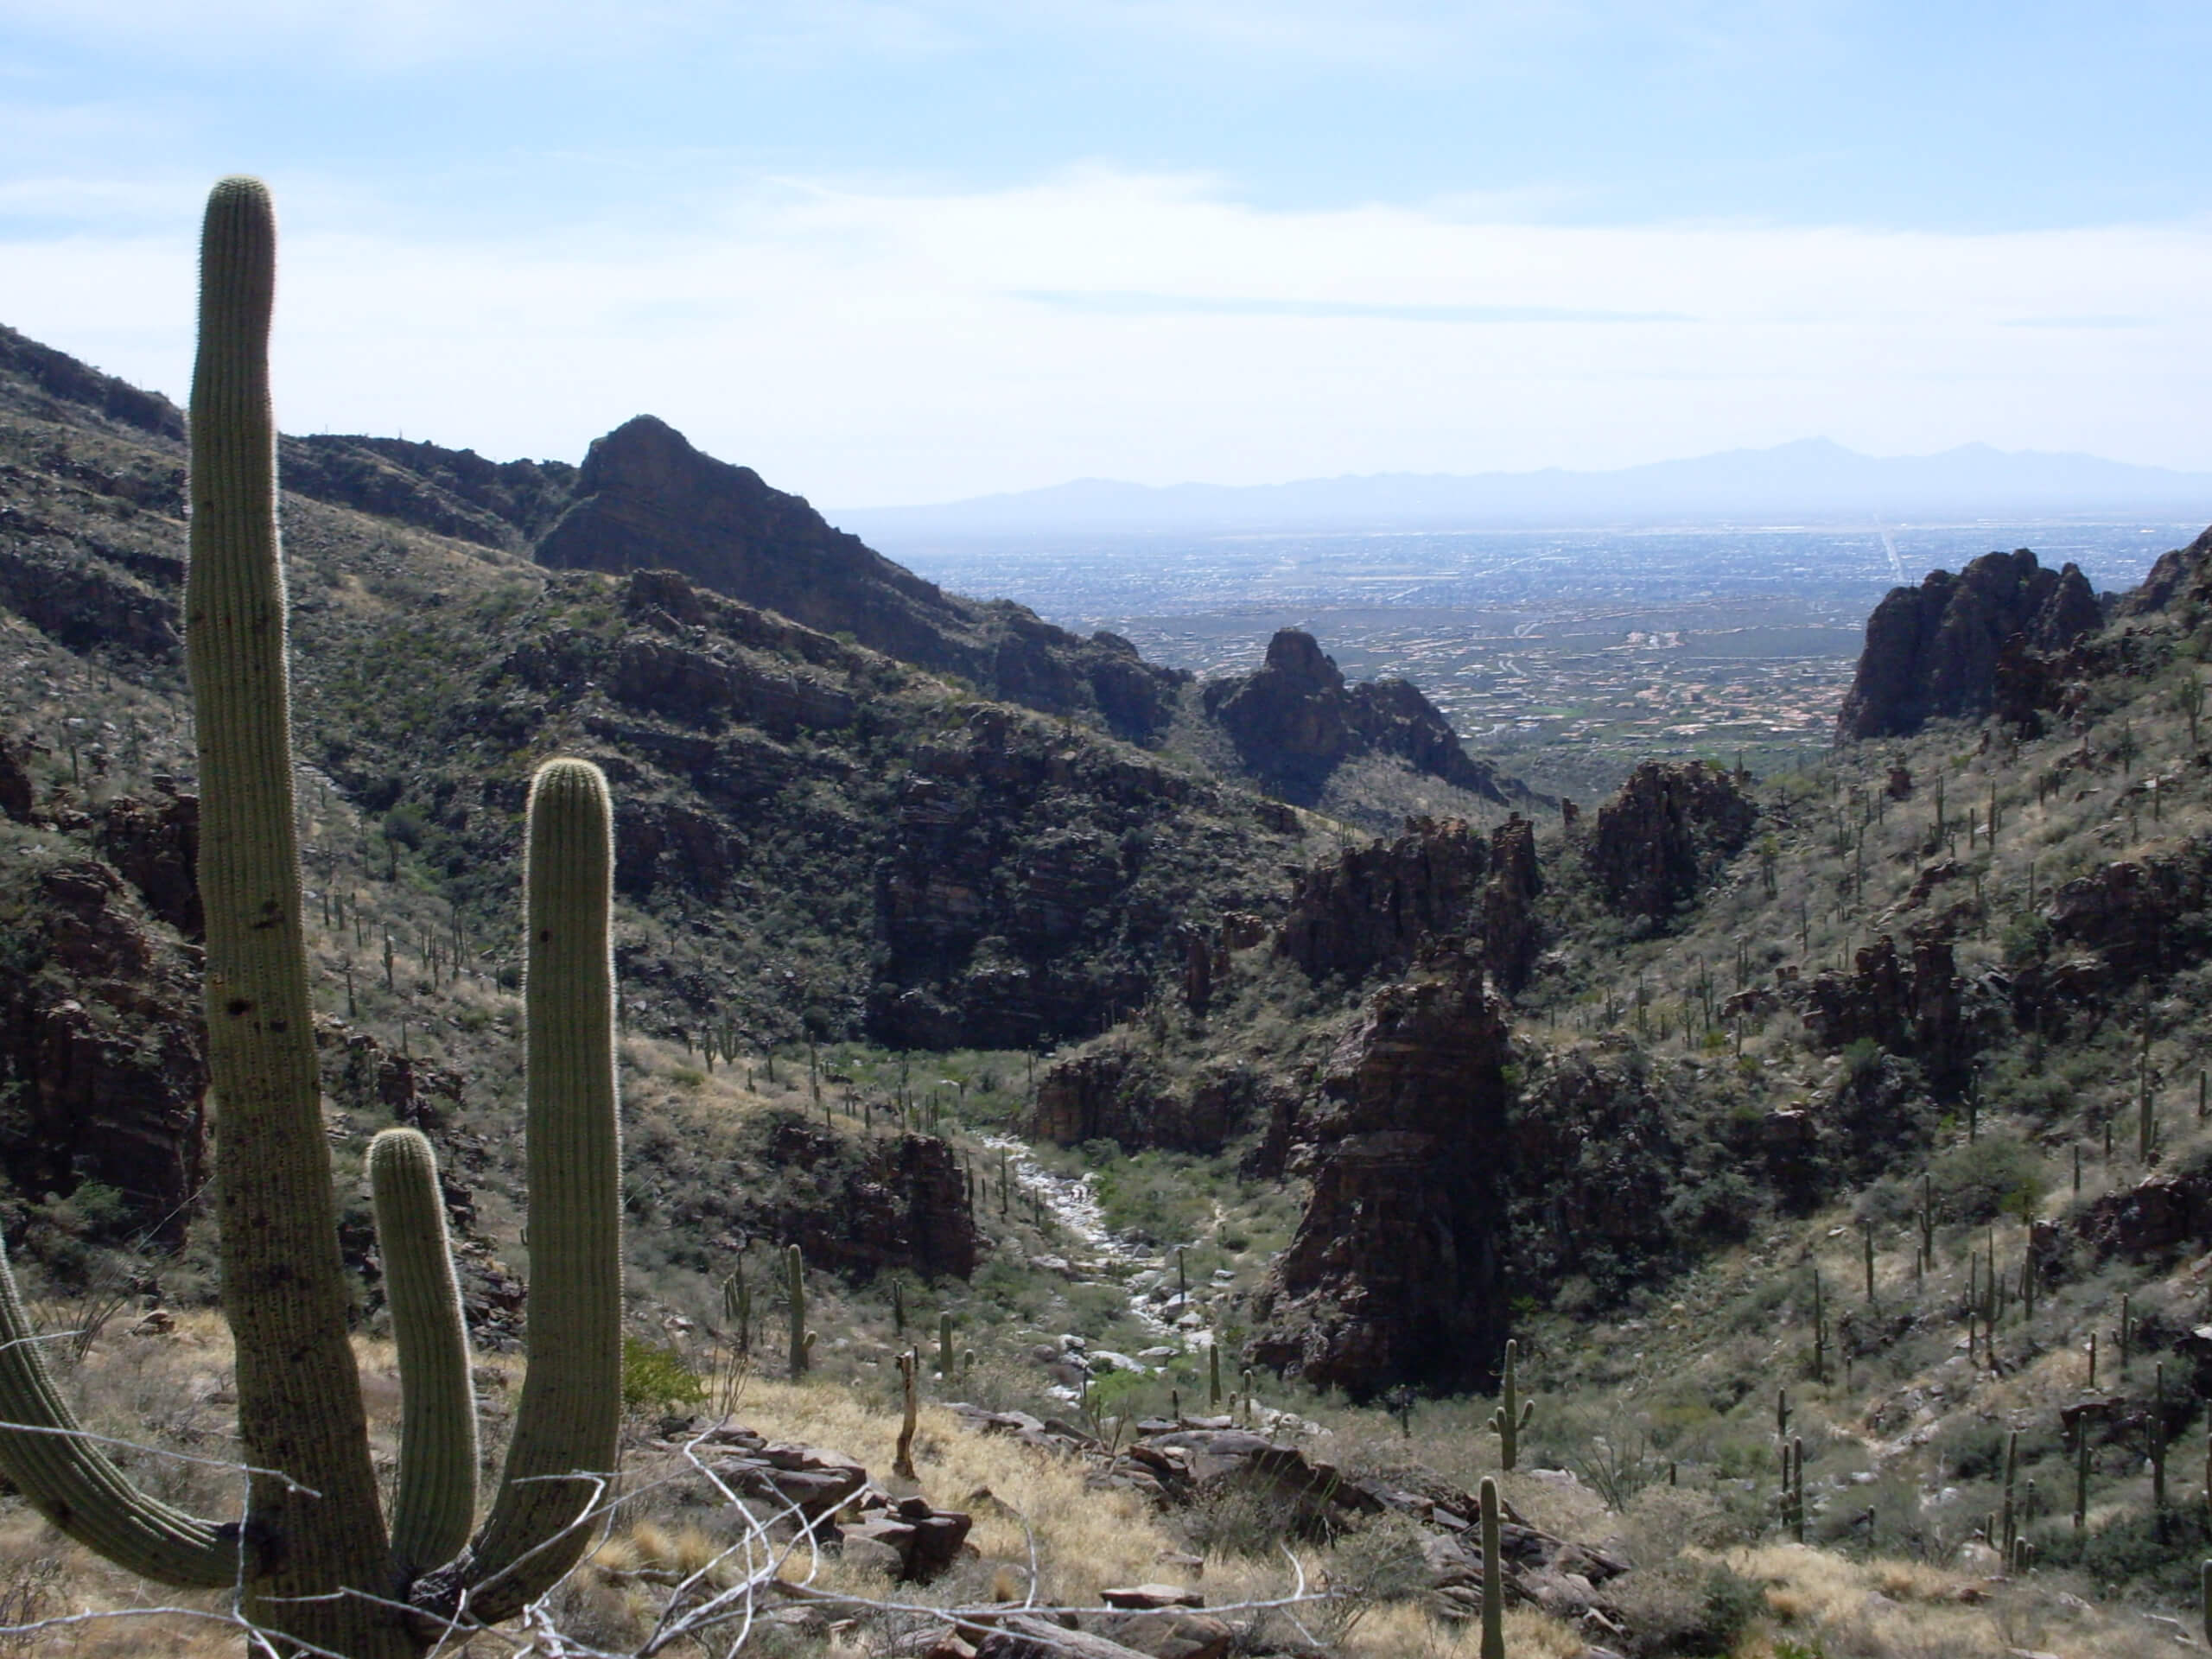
<point x="73" y="1482"/>
<point x="571" y="1412"/>
<point x="436" y="1502"/>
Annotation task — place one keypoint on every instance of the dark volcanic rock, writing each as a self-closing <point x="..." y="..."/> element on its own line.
<point x="156" y="847"/>
<point x="454" y="492"/>
<point x="2182" y="576"/>
<point x="1909" y="1005"/>
<point x="102" y="1044"/>
<point x="857" y="1208"/>
<point x="1511" y="939"/>
<point x="2167" y="1211"/>
<point x="1596" y="1168"/>
<point x="1112" y="1092"/>
<point x="1297" y="720"/>
<point x="17" y="793"/>
<point x="1394" y="1275"/>
<point x="1371" y="910"/>
<point x="2140" y="916"/>
<point x="38" y="380"/>
<point x="647" y="499"/>
<point x="1025" y="888"/>
<point x="1658" y="839"/>
<point x="1932" y="652"/>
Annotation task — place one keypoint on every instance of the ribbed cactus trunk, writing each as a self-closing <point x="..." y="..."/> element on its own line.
<point x="1493" y="1641"/>
<point x="570" y="1417"/>
<point x="283" y="1286"/>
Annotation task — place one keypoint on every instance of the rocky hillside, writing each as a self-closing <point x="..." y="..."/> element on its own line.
<point x="1840" y="1112"/>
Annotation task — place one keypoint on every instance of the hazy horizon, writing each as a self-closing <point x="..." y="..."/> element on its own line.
<point x="918" y="250"/>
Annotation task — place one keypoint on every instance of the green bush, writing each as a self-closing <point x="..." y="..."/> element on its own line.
<point x="655" y="1375"/>
<point x="1984" y="1178"/>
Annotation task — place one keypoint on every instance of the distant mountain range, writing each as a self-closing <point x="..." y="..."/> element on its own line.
<point x="1813" y="480"/>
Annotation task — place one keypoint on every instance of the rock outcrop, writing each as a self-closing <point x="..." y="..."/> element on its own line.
<point x="456" y="492"/>
<point x="1113" y="1091"/>
<point x="1296" y="720"/>
<point x="1932" y="652"/>
<point x="1659" y="839"/>
<point x="2181" y="577"/>
<point x="857" y="1208"/>
<point x="1907" y="1004"/>
<point x="1370" y="910"/>
<point x="1394" y="1275"/>
<point x="102" y="1056"/>
<point x="645" y="499"/>
<point x="1511" y="939"/>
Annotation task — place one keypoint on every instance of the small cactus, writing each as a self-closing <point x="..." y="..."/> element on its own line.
<point x="1511" y="1415"/>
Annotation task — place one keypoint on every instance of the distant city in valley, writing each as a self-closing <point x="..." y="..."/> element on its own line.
<point x="1570" y="654"/>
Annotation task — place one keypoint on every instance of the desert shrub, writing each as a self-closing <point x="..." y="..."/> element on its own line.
<point x="1376" y="1564"/>
<point x="1982" y="1180"/>
<point x="1686" y="1607"/>
<point x="2161" y="1554"/>
<point x="656" y="1376"/>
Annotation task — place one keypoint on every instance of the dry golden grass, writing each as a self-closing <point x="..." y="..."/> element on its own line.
<point x="1878" y="1608"/>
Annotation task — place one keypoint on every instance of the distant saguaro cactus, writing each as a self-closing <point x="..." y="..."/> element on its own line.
<point x="1511" y="1415"/>
<point x="802" y="1339"/>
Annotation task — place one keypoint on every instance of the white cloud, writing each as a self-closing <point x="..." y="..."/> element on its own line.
<point x="868" y="346"/>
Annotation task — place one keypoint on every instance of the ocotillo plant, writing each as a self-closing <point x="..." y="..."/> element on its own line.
<point x="313" y="1557"/>
<point x="802" y="1339"/>
<point x="1494" y="1575"/>
<point x="1213" y="1386"/>
<point x="1511" y="1415"/>
<point x="944" y="1347"/>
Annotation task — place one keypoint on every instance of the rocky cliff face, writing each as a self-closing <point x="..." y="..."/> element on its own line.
<point x="1115" y="1091"/>
<point x="455" y="492"/>
<point x="645" y="499"/>
<point x="1297" y="720"/>
<point x="1932" y="650"/>
<point x="1511" y="934"/>
<point x="2181" y="578"/>
<point x="857" y="1206"/>
<point x="1394" y="1275"/>
<point x="102" y="1056"/>
<point x="1659" y="839"/>
<point x="1370" y="910"/>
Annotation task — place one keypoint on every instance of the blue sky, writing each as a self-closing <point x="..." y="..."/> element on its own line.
<point x="891" y="252"/>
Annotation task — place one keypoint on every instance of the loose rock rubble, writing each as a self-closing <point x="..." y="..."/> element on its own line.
<point x="1176" y="1464"/>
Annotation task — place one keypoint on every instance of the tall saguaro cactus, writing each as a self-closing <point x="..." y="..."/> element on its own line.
<point x="312" y="1554"/>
